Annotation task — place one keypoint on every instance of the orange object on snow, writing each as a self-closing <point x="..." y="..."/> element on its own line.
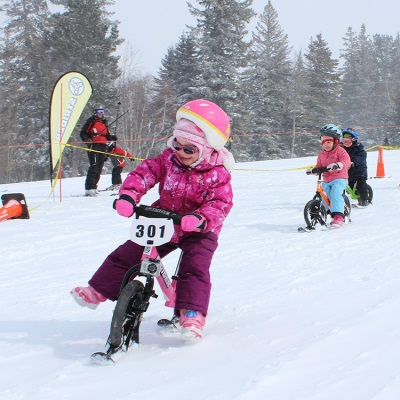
<point x="12" y="209"/>
<point x="380" y="168"/>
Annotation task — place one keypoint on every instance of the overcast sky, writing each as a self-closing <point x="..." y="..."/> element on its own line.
<point x="152" y="26"/>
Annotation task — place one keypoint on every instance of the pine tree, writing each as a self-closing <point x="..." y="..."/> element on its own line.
<point x="369" y="74"/>
<point x="323" y="83"/>
<point x="176" y="80"/>
<point x="187" y="68"/>
<point x="352" y="88"/>
<point x="84" y="39"/>
<point x="220" y="33"/>
<point x="386" y="82"/>
<point x="302" y="143"/>
<point x="267" y="86"/>
<point x="24" y="77"/>
<point x="359" y="81"/>
<point x="395" y="95"/>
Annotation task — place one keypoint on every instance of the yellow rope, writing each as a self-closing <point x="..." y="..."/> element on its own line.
<point x="235" y="169"/>
<point x="102" y="152"/>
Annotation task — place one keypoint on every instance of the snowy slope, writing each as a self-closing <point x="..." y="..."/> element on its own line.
<point x="293" y="315"/>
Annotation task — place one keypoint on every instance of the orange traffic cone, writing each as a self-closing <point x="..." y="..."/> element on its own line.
<point x="12" y="209"/>
<point x="14" y="206"/>
<point x="380" y="169"/>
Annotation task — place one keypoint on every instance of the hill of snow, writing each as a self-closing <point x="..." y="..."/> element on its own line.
<point x="293" y="315"/>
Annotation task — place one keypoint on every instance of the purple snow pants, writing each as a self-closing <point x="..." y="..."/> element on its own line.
<point x="193" y="285"/>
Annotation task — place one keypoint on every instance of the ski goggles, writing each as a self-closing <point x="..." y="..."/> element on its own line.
<point x="347" y="140"/>
<point x="100" y="111"/>
<point x="187" y="148"/>
<point x="328" y="140"/>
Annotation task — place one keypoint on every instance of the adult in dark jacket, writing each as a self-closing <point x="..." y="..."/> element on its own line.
<point x="358" y="173"/>
<point x="96" y="134"/>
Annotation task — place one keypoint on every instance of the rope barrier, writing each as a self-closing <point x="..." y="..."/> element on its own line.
<point x="53" y="186"/>
<point x="362" y="128"/>
<point x="310" y="166"/>
<point x="141" y="159"/>
<point x="102" y="152"/>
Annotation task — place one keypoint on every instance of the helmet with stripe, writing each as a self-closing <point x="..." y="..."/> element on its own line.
<point x="210" y="118"/>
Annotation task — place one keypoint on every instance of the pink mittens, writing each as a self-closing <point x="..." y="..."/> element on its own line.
<point x="125" y="205"/>
<point x="193" y="223"/>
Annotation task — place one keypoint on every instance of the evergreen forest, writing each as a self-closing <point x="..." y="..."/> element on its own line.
<point x="277" y="97"/>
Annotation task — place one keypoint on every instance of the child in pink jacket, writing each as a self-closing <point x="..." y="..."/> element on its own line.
<point x="194" y="180"/>
<point x="337" y="161"/>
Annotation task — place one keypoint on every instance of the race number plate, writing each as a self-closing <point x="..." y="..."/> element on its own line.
<point x="151" y="231"/>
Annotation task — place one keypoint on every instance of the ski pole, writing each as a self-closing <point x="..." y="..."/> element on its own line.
<point x="115" y="130"/>
<point x="113" y="122"/>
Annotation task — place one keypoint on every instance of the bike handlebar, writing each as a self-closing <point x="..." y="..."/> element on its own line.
<point x="320" y="170"/>
<point x="154" y="212"/>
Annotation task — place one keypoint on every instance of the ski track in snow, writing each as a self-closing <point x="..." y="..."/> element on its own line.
<point x="292" y="316"/>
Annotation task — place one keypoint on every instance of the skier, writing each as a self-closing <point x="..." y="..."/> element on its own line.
<point x="194" y="180"/>
<point x="96" y="134"/>
<point x="337" y="161"/>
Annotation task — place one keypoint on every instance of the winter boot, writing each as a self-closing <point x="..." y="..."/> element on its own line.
<point x="91" y="193"/>
<point x="363" y="203"/>
<point x="87" y="296"/>
<point x="338" y="221"/>
<point x="192" y="323"/>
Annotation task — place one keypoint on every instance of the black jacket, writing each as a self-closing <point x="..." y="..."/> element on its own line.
<point x="358" y="156"/>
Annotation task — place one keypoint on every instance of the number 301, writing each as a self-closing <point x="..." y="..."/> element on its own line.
<point x="151" y="231"/>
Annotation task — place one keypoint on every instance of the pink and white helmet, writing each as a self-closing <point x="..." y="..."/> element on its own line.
<point x="210" y="118"/>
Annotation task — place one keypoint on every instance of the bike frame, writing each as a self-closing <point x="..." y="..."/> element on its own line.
<point x="151" y="260"/>
<point x="151" y="265"/>
<point x="320" y="191"/>
<point x="352" y="192"/>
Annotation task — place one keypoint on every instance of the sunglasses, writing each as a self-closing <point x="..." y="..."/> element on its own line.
<point x="187" y="148"/>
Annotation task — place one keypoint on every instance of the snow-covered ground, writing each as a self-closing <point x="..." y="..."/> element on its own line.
<point x="293" y="315"/>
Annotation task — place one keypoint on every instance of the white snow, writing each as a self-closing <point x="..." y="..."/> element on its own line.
<point x="293" y="315"/>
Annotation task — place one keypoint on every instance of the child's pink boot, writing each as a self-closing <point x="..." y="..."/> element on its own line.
<point x="87" y="297"/>
<point x="338" y="221"/>
<point x="192" y="323"/>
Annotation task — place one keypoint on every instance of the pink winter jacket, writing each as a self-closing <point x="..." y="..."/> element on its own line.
<point x="328" y="157"/>
<point x="203" y="189"/>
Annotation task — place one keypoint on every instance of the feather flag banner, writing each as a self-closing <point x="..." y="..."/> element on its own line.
<point x="69" y="97"/>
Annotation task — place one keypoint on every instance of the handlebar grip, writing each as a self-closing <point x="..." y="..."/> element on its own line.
<point x="154" y="212"/>
<point x="320" y="170"/>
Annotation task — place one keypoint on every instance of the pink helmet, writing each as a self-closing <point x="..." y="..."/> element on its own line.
<point x="210" y="118"/>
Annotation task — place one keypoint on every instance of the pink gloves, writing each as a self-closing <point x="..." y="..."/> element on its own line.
<point x="193" y="223"/>
<point x="125" y="205"/>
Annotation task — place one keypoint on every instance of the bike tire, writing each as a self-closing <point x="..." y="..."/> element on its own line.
<point x="314" y="213"/>
<point x="347" y="206"/>
<point x="370" y="193"/>
<point x="127" y="316"/>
